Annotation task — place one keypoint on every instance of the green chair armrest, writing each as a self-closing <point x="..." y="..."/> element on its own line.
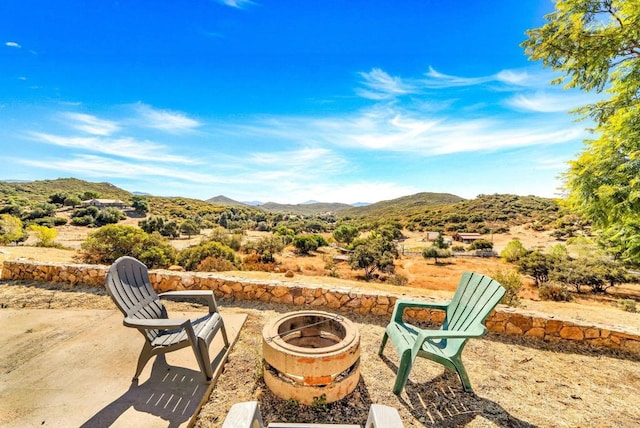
<point x="448" y="334"/>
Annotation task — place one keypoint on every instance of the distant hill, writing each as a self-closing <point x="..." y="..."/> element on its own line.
<point x="401" y="206"/>
<point x="306" y="208"/>
<point x="40" y="190"/>
<point x="225" y="202"/>
<point x="450" y="213"/>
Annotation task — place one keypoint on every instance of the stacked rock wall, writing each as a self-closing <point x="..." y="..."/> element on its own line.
<point x="503" y="320"/>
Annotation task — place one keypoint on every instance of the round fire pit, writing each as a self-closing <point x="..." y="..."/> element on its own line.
<point x="311" y="355"/>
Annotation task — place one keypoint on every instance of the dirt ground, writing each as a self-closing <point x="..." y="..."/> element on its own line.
<point x="423" y="277"/>
<point x="517" y="382"/>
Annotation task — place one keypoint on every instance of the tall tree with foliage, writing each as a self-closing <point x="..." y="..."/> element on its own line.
<point x="375" y="252"/>
<point x="595" y="44"/>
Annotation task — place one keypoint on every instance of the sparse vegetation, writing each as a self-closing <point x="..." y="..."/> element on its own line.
<point x="110" y="242"/>
<point x="512" y="282"/>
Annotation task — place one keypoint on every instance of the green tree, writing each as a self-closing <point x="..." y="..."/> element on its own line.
<point x="513" y="251"/>
<point x="536" y="264"/>
<point x="11" y="229"/>
<point x="89" y="194"/>
<point x="140" y="204"/>
<point x="376" y="252"/>
<point x="306" y="243"/>
<point x="346" y="233"/>
<point x="189" y="227"/>
<point x="72" y="201"/>
<point x="595" y="44"/>
<point x="435" y="253"/>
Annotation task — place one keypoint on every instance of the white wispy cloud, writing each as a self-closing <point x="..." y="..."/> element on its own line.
<point x="125" y="147"/>
<point x="100" y="166"/>
<point x="13" y="45"/>
<point x="238" y="4"/>
<point x="164" y="120"/>
<point x="379" y="85"/>
<point x="400" y="131"/>
<point x="441" y="80"/>
<point x="546" y="102"/>
<point x="90" y="124"/>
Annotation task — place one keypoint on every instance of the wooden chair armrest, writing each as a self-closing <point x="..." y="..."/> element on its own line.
<point x="206" y="295"/>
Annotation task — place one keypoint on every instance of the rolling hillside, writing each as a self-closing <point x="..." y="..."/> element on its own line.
<point x="40" y="190"/>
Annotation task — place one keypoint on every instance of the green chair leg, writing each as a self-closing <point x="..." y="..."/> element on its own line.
<point x="383" y="343"/>
<point x="403" y="372"/>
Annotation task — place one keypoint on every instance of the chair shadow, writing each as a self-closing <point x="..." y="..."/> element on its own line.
<point x="171" y="393"/>
<point x="442" y="402"/>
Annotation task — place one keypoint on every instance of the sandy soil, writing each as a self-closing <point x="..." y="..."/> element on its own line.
<point x="517" y="382"/>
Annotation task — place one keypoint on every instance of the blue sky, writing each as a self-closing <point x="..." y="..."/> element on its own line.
<point x="284" y="101"/>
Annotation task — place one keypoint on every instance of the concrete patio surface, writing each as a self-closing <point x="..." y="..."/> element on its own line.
<point x="74" y="368"/>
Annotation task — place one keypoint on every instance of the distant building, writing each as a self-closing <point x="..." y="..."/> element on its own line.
<point x="431" y="236"/>
<point x="466" y="237"/>
<point x="105" y="203"/>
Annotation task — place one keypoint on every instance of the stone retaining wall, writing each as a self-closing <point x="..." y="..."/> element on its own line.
<point x="504" y="319"/>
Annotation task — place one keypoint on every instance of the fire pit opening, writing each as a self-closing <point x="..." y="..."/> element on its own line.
<point x="311" y="355"/>
<point x="312" y="331"/>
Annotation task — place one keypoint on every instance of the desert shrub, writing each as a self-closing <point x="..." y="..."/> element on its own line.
<point x="480" y="244"/>
<point x="60" y="221"/>
<point x="435" y="253"/>
<point x="112" y="241"/>
<point x="88" y="211"/>
<point x="231" y="240"/>
<point x="189" y="227"/>
<point x="512" y="282"/>
<point x="109" y="216"/>
<point x="555" y="293"/>
<point x="268" y="244"/>
<point x="256" y="263"/>
<point x="458" y="248"/>
<point x="398" y="279"/>
<point x="86" y="220"/>
<point x="190" y="257"/>
<point x="44" y="234"/>
<point x="157" y="252"/>
<point x="628" y="305"/>
<point x="11" y="229"/>
<point x="306" y="243"/>
<point x="215" y="264"/>
<point x="513" y="251"/>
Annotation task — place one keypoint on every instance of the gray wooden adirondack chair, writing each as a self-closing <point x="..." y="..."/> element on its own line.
<point x="128" y="285"/>
<point x="473" y="301"/>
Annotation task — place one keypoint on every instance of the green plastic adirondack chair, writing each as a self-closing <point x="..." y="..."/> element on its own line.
<point x="473" y="301"/>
